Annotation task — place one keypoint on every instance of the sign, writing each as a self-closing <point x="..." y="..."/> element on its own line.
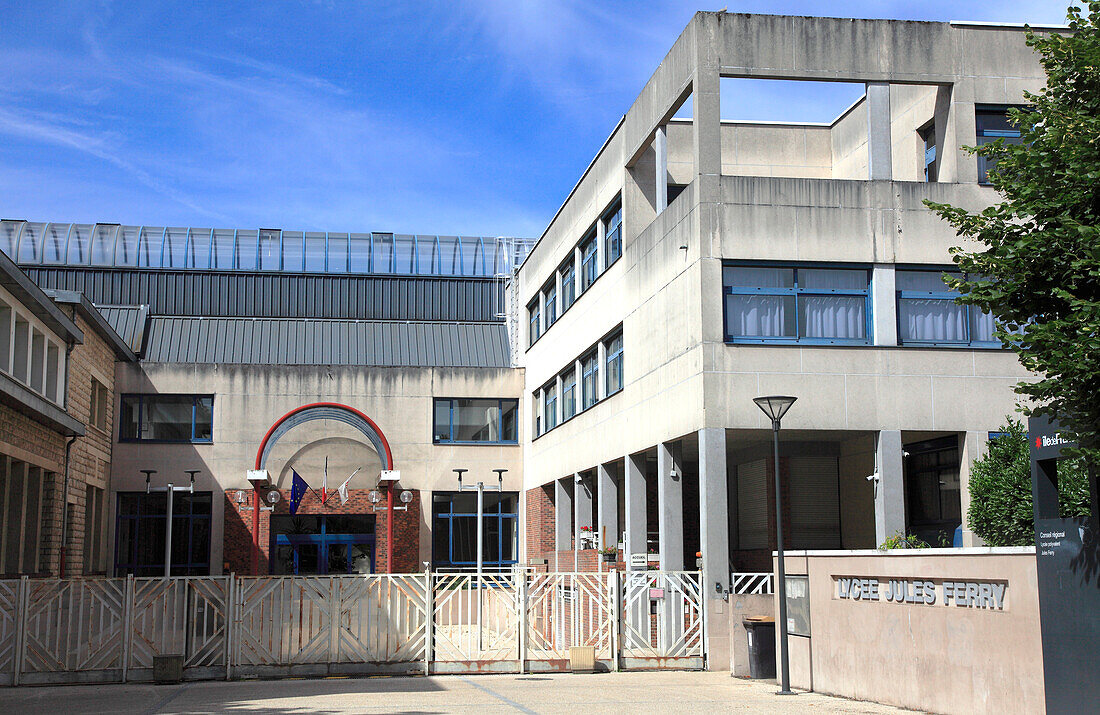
<point x="389" y="475"/>
<point x="1046" y="438"/>
<point x="638" y="561"/>
<point x="257" y="476"/>
<point x="798" y="605"/>
<point x="656" y="593"/>
<point x="959" y="593"/>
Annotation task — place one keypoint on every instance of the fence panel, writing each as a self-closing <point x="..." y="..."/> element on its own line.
<point x="185" y="616"/>
<point x="10" y="596"/>
<point x="75" y="631"/>
<point x="475" y="629"/>
<point x="382" y="619"/>
<point x="662" y="619"/>
<point x="566" y="610"/>
<point x="283" y="620"/>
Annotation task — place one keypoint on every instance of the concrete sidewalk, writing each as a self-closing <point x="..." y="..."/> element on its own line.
<point x="661" y="692"/>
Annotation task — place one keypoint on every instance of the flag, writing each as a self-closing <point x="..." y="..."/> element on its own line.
<point x="324" y="483"/>
<point x="298" y="489"/>
<point x="344" y="488"/>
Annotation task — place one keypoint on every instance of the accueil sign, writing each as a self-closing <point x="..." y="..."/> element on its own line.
<point x="963" y="594"/>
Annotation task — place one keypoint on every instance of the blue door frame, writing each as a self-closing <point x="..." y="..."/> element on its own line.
<point x="322" y="542"/>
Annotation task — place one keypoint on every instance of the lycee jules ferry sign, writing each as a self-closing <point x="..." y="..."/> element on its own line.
<point x="963" y="594"/>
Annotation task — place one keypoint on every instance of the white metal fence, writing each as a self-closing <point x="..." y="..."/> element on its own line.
<point x="110" y="630"/>
<point x="752" y="583"/>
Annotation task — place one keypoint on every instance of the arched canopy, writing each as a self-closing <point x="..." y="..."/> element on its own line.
<point x="325" y="411"/>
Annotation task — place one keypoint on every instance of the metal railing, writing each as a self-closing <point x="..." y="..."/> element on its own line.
<point x="752" y="583"/>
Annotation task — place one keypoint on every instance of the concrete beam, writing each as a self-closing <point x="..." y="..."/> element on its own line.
<point x="634" y="506"/>
<point x="972" y="446"/>
<point x="660" y="174"/>
<point x="884" y="309"/>
<point x="879" y="147"/>
<point x="890" y="487"/>
<point x="670" y="507"/>
<point x="713" y="510"/>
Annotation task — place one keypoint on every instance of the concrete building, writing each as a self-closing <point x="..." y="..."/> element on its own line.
<point x="699" y="263"/>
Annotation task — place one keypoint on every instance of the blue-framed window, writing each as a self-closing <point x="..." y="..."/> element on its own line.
<point x="534" y="314"/>
<point x="817" y="305"/>
<point x="166" y="418"/>
<point x="931" y="171"/>
<point x="568" y="393"/>
<point x="589" y="268"/>
<point x="141" y="526"/>
<point x="993" y="124"/>
<point x="464" y="420"/>
<point x="568" y="285"/>
<point x="550" y="405"/>
<point x="322" y="544"/>
<point x="550" y="293"/>
<point x="454" y="530"/>
<point x="614" y="371"/>
<point x="590" y="374"/>
<point x="613" y="234"/>
<point x="929" y="315"/>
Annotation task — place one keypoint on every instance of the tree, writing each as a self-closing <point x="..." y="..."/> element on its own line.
<point x="1000" y="509"/>
<point x="1037" y="265"/>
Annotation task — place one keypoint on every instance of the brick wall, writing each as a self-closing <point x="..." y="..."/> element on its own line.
<point x="238" y="528"/>
<point x="539" y="528"/>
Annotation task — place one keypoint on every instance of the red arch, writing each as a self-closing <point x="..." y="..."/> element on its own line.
<point x="337" y="405"/>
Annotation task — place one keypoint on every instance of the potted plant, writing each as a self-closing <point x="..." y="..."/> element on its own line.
<point x="587" y="538"/>
<point x="610" y="554"/>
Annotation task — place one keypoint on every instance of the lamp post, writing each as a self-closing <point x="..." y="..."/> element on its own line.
<point x="775" y="406"/>
<point x="171" y="490"/>
<point x="480" y="489"/>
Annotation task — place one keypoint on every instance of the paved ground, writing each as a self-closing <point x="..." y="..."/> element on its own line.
<point x="577" y="694"/>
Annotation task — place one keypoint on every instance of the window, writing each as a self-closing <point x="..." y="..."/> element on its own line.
<point x="166" y="418"/>
<point x="614" y="372"/>
<point x="568" y="393"/>
<point x="810" y="305"/>
<point x="613" y="235"/>
<point x="993" y="124"/>
<point x="535" y="318"/>
<point x="550" y="296"/>
<point x="589" y="376"/>
<point x="928" y="135"/>
<point x="589" y="269"/>
<point x="932" y="489"/>
<point x="5" y="337"/>
<point x="568" y="286"/>
<point x="97" y="415"/>
<point x="454" y="530"/>
<point x="550" y="406"/>
<point x="141" y="530"/>
<point x="93" y="529"/>
<point x="21" y="514"/>
<point x="929" y="315"/>
<point x="470" y="420"/>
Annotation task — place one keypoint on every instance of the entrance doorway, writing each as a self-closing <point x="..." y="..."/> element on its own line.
<point x="316" y="544"/>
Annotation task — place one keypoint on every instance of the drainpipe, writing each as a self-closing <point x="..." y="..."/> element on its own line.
<point x="69" y="345"/>
<point x="389" y="528"/>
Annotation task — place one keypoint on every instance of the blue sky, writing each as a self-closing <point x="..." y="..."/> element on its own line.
<point x="453" y="118"/>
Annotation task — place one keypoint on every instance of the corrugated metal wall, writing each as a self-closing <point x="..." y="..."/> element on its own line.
<point x="283" y="295"/>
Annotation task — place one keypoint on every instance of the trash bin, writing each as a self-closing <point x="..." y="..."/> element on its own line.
<point x="761" y="633"/>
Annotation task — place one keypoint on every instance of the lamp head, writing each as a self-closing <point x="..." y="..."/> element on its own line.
<point x="775" y="406"/>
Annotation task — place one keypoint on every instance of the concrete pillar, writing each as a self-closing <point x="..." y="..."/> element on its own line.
<point x="879" y="162"/>
<point x="670" y="507"/>
<point x="563" y="512"/>
<point x="706" y="105"/>
<point x="713" y="510"/>
<point x="660" y="174"/>
<point x="557" y="293"/>
<point x="601" y="256"/>
<point x="582" y="513"/>
<point x="972" y="446"/>
<point x="560" y="409"/>
<point x="543" y="322"/>
<point x="607" y="505"/>
<point x="890" y="487"/>
<point x="634" y="510"/>
<point x="884" y="307"/>
<point x="577" y="258"/>
<point x="601" y="362"/>
<point x="578" y="392"/>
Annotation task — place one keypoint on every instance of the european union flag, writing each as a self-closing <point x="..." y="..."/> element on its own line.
<point x="298" y="489"/>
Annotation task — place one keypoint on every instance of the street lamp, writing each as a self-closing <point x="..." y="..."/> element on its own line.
<point x="775" y="406"/>
<point x="480" y="489"/>
<point x="171" y="491"/>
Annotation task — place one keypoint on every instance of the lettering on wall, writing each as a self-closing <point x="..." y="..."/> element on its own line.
<point x="962" y="594"/>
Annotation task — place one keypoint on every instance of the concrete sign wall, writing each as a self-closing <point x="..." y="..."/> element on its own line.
<point x="942" y="630"/>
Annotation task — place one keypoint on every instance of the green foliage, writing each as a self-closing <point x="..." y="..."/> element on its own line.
<point x="1000" y="490"/>
<point x="901" y="541"/>
<point x="1036" y="267"/>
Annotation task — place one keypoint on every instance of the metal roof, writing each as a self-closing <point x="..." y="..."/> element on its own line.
<point x="128" y="321"/>
<point x="34" y="299"/>
<point x="264" y="249"/>
<point x="282" y="295"/>
<point x="95" y="319"/>
<point x="283" y="341"/>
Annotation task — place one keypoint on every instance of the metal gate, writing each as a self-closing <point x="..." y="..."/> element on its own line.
<point x="110" y="630"/>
